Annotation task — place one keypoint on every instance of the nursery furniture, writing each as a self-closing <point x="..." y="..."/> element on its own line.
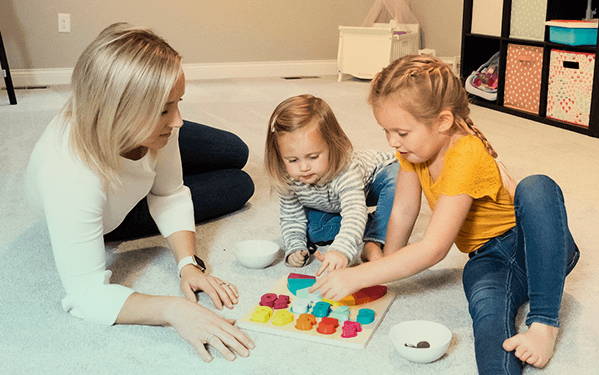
<point x="452" y="61"/>
<point x="364" y="51"/>
<point x="6" y="74"/>
<point x="561" y="80"/>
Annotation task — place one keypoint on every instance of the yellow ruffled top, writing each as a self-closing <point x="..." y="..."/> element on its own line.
<point x="469" y="169"/>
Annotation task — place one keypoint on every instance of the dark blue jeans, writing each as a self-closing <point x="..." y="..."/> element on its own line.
<point x="212" y="160"/>
<point x="527" y="263"/>
<point x="324" y="226"/>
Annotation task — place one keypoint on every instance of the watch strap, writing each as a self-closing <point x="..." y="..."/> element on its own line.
<point x="193" y="260"/>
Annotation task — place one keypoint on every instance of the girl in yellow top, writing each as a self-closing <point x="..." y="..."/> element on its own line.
<point x="518" y="242"/>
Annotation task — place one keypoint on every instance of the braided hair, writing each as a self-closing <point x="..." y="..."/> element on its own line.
<point x="424" y="86"/>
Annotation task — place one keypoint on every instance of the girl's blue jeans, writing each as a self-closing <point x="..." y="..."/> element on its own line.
<point x="527" y="263"/>
<point x="324" y="226"/>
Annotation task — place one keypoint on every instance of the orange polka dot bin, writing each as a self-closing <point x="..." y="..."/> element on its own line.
<point x="523" y="76"/>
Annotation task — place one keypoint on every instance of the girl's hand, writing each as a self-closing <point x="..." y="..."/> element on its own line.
<point x="200" y="326"/>
<point x="332" y="260"/>
<point x="193" y="280"/>
<point x="297" y="258"/>
<point x="337" y="284"/>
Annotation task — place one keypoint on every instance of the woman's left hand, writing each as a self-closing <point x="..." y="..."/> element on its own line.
<point x="220" y="292"/>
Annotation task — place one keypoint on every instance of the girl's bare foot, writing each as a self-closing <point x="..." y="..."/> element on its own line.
<point x="535" y="346"/>
<point x="372" y="251"/>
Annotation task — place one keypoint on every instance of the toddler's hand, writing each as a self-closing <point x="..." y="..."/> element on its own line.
<point x="297" y="258"/>
<point x="332" y="260"/>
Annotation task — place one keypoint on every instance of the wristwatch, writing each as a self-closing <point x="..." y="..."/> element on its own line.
<point x="194" y="260"/>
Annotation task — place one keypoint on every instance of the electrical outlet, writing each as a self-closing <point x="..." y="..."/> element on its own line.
<point x="64" y="23"/>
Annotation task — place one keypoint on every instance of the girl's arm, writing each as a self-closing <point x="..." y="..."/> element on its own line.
<point x="406" y="207"/>
<point x="193" y="322"/>
<point x="445" y="223"/>
<point x="293" y="223"/>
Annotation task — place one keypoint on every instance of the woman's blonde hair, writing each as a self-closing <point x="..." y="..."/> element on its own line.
<point x="120" y="86"/>
<point x="424" y="86"/>
<point x="296" y="113"/>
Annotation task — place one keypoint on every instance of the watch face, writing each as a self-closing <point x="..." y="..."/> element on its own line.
<point x="199" y="262"/>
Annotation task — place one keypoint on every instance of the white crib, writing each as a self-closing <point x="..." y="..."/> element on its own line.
<point x="365" y="51"/>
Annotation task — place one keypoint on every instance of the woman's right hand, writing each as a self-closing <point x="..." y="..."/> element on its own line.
<point x="200" y="326"/>
<point x="297" y="258"/>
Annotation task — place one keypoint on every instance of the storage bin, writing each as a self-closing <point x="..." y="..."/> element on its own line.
<point x="528" y="19"/>
<point x="486" y="17"/>
<point x="523" y="75"/>
<point x="573" y="33"/>
<point x="570" y="86"/>
<point x="365" y="51"/>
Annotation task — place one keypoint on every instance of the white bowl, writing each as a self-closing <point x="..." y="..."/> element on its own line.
<point x="414" y="331"/>
<point x="256" y="253"/>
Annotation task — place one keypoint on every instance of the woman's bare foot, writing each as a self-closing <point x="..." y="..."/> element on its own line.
<point x="535" y="346"/>
<point x="372" y="251"/>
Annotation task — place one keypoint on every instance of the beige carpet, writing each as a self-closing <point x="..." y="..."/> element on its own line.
<point x="37" y="337"/>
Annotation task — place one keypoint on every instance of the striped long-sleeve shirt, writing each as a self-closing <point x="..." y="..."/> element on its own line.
<point x="345" y="194"/>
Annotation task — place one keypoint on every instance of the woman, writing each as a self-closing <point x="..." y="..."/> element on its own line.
<point x="117" y="163"/>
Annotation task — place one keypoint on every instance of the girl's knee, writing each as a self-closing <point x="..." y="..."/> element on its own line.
<point x="536" y="182"/>
<point x="536" y="187"/>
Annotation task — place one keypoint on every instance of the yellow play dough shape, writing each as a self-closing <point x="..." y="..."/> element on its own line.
<point x="282" y="317"/>
<point x="262" y="314"/>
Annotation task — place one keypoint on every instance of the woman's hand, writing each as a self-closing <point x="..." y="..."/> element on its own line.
<point x="332" y="260"/>
<point x="200" y="326"/>
<point x="220" y="292"/>
<point x="297" y="258"/>
<point x="337" y="284"/>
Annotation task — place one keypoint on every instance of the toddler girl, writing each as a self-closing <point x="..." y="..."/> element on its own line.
<point x="324" y="187"/>
<point x="520" y="247"/>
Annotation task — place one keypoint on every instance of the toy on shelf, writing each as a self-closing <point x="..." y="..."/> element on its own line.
<point x="483" y="82"/>
<point x="350" y="322"/>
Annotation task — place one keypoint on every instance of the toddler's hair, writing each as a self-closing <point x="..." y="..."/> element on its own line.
<point x="120" y="86"/>
<point x="424" y="86"/>
<point x="296" y="113"/>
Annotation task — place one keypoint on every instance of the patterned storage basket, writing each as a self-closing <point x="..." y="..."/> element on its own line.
<point x="570" y="86"/>
<point x="523" y="72"/>
<point x="528" y="19"/>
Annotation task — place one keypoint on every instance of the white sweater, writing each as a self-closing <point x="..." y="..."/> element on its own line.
<point x="79" y="211"/>
<point x="345" y="194"/>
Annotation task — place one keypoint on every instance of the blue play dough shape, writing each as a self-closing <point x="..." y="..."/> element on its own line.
<point x="295" y="284"/>
<point x="365" y="316"/>
<point x="321" y="309"/>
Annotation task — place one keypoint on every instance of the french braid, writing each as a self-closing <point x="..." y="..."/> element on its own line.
<point x="423" y="85"/>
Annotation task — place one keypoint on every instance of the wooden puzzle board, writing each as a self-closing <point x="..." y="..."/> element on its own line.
<point x="379" y="306"/>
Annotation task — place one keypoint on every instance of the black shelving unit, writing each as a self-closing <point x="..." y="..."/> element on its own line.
<point x="478" y="48"/>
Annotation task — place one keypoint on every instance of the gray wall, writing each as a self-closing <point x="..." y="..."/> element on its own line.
<point x="209" y="31"/>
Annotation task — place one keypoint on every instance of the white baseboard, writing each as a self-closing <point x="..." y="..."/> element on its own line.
<point x="62" y="76"/>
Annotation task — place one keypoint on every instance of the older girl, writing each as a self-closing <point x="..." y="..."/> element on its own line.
<point x="520" y="247"/>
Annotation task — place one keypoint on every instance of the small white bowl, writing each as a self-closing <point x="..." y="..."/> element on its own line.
<point x="414" y="331"/>
<point x="256" y="253"/>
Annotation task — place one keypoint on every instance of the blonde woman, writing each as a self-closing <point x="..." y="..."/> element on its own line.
<point x="118" y="162"/>
<point x="325" y="187"/>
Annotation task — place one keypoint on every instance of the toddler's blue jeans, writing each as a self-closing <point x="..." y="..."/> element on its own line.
<point x="527" y="263"/>
<point x="324" y="226"/>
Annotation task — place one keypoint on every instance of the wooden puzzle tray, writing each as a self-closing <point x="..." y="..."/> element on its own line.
<point x="379" y="306"/>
